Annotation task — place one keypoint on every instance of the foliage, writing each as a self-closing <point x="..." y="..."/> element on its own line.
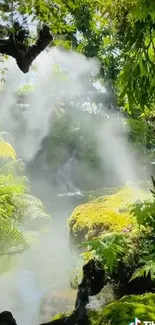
<point x="145" y="270"/>
<point x="125" y="257"/>
<point x="146" y="299"/>
<point x="76" y="278"/>
<point x="6" y="150"/>
<point x="26" y="89"/>
<point x="17" y="206"/>
<point x="124" y="312"/>
<point x="70" y="138"/>
<point x="141" y="132"/>
<point x="145" y="210"/>
<point x="108" y="213"/>
<point x="145" y="213"/>
<point x="111" y="246"/>
<point x="133" y="23"/>
<point x="119" y="33"/>
<point x="3" y="69"/>
<point x="68" y="134"/>
<point x="129" y="256"/>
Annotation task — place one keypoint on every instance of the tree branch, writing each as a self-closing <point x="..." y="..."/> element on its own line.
<point x="24" y="55"/>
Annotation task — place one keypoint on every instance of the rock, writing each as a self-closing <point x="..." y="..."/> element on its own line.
<point x="105" y="214"/>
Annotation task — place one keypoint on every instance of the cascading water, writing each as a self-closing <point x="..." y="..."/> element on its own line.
<point x="64" y="178"/>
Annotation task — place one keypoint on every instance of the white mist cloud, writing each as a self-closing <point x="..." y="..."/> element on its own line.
<point x="50" y="91"/>
<point x="116" y="152"/>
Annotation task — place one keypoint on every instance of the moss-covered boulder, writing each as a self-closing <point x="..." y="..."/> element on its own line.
<point x="108" y="213"/>
<point x="124" y="311"/>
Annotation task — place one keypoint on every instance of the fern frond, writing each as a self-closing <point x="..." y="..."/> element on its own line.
<point x="30" y="207"/>
<point x="6" y="150"/>
<point x="35" y="212"/>
<point x="144" y="271"/>
<point x="13" y="167"/>
<point x="3" y="214"/>
<point x="110" y="247"/>
<point x="12" y="239"/>
<point x="32" y="200"/>
<point x="14" y="184"/>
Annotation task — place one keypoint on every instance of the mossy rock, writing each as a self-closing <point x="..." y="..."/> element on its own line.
<point x="124" y="311"/>
<point x="106" y="213"/>
<point x="76" y="277"/>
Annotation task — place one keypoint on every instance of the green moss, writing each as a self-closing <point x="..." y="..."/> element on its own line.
<point x="146" y="299"/>
<point x="124" y="311"/>
<point x="57" y="316"/>
<point x="107" y="213"/>
<point x="76" y="277"/>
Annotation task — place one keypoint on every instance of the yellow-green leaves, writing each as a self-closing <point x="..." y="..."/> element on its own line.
<point x="17" y="206"/>
<point x="6" y="150"/>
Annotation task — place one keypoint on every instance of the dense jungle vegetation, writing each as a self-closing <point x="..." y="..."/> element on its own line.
<point x="116" y="226"/>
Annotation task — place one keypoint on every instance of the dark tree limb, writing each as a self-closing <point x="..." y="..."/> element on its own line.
<point x="24" y="55"/>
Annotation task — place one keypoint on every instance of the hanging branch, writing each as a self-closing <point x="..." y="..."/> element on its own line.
<point x="25" y="55"/>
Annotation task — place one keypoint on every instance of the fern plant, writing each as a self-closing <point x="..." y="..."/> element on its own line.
<point x="17" y="206"/>
<point x="129" y="261"/>
<point x="6" y="150"/>
<point x="144" y="211"/>
<point x="12" y="239"/>
<point x="148" y="269"/>
<point x="109" y="248"/>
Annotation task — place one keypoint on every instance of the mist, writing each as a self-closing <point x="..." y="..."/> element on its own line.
<point x="47" y="265"/>
<point x="119" y="157"/>
<point x="50" y="91"/>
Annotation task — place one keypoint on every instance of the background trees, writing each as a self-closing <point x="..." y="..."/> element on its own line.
<point x="119" y="33"/>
